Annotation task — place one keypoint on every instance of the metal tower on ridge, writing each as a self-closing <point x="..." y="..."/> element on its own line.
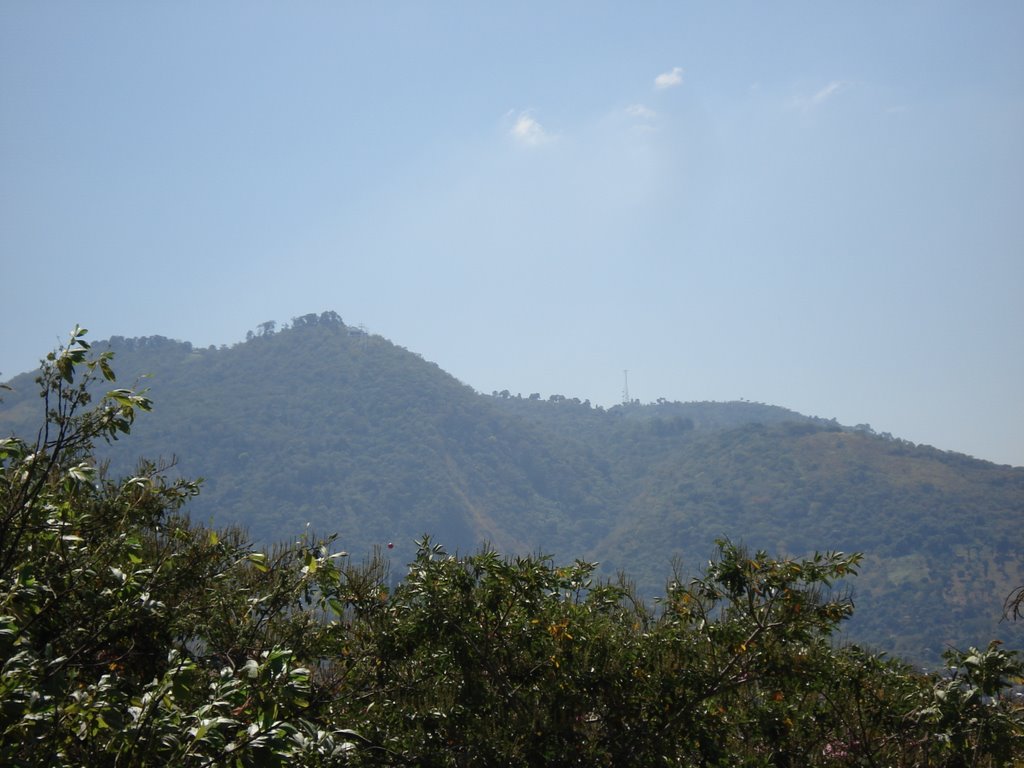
<point x="625" y="388"/>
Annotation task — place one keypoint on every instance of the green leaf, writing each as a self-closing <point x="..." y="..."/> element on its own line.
<point x="12" y="448"/>
<point x="336" y="605"/>
<point x="82" y="473"/>
<point x="106" y="370"/>
<point x="311" y="564"/>
<point x="66" y="368"/>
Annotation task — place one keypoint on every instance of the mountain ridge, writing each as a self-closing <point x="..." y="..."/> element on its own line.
<point x="324" y="425"/>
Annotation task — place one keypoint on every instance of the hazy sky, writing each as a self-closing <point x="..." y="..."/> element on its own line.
<point x="816" y="205"/>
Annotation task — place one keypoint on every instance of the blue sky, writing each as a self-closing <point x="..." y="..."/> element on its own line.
<point x="816" y="205"/>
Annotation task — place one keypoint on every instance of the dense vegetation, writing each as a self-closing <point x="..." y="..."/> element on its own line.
<point x="131" y="635"/>
<point x="320" y="423"/>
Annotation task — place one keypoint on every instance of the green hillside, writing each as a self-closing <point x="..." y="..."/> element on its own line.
<point x="322" y="424"/>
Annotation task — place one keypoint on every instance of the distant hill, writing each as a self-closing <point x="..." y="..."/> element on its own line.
<point x="320" y="423"/>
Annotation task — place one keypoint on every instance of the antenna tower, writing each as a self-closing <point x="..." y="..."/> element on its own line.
<point x="625" y="388"/>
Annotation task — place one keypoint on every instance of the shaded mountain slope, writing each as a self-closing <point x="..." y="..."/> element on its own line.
<point x="939" y="532"/>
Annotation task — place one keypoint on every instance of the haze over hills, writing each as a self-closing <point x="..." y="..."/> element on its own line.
<point x="325" y="425"/>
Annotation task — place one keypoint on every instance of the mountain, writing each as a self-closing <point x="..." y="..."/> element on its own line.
<point x="321" y="424"/>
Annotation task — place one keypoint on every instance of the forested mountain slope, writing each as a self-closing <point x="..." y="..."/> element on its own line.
<point x="323" y="424"/>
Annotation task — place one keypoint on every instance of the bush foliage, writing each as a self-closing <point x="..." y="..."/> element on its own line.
<point x="130" y="635"/>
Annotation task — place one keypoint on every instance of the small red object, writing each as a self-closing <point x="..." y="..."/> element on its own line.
<point x="391" y="545"/>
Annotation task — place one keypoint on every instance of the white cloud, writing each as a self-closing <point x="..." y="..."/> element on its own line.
<point x="669" y="79"/>
<point x="819" y="97"/>
<point x="827" y="92"/>
<point x="526" y="130"/>
<point x="639" y="110"/>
